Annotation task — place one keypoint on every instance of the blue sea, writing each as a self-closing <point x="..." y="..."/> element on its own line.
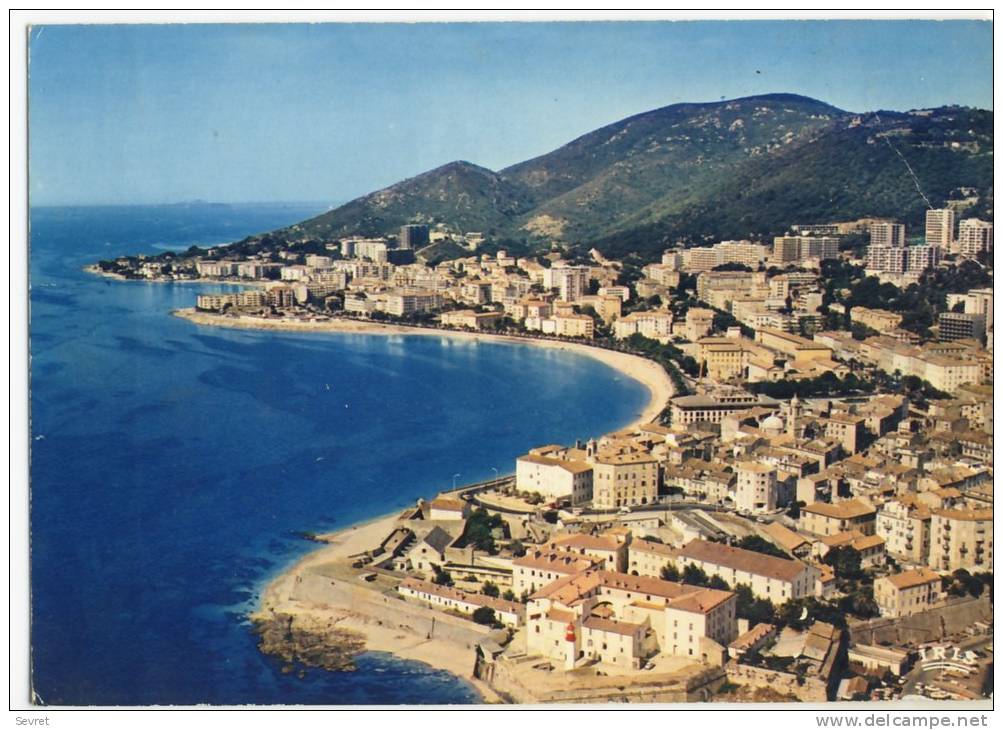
<point x="173" y="466"/>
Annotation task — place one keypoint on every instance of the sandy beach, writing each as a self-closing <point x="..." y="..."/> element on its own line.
<point x="650" y="374"/>
<point x="279" y="596"/>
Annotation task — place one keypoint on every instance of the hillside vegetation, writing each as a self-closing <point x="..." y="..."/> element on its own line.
<point x="694" y="172"/>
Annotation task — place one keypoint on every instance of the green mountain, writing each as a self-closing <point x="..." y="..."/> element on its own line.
<point x="738" y="168"/>
<point x="618" y="176"/>
<point x="464" y="195"/>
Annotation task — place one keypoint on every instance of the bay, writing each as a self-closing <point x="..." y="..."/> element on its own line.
<point x="174" y="466"/>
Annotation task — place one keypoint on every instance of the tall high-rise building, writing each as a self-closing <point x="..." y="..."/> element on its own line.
<point x="413" y="235"/>
<point x="974" y="237"/>
<point x="572" y="282"/>
<point x="889" y="259"/>
<point x="887" y="234"/>
<point x="940" y="228"/>
<point x="961" y="326"/>
<point x="976" y="301"/>
<point x="788" y="249"/>
<point x="819" y="247"/>
<point x="921" y="258"/>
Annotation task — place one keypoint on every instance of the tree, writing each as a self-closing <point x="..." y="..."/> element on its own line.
<point x="860" y="603"/>
<point x="670" y="572"/>
<point x="804" y="611"/>
<point x="479" y="528"/>
<point x="962" y="583"/>
<point x="490" y="589"/>
<point x="508" y="595"/>
<point x="759" y="545"/>
<point x="694" y="575"/>
<point x="485" y="615"/>
<point x="719" y="583"/>
<point x="517" y="548"/>
<point x="845" y="562"/>
<point x="754" y="610"/>
<point x="443" y="578"/>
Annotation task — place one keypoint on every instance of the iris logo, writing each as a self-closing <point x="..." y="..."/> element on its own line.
<point x="948" y="657"/>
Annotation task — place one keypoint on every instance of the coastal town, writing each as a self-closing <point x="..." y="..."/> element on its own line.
<point x="805" y="513"/>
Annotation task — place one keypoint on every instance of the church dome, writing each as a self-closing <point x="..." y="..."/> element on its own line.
<point x="772" y="423"/>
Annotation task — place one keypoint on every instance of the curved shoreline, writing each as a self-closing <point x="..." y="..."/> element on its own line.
<point x="647" y="372"/>
<point x="278" y="595"/>
<point x="96" y="271"/>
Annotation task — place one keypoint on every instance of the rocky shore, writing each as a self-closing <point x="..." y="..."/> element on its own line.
<point x="308" y="640"/>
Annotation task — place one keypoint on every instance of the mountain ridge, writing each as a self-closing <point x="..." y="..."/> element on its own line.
<point x="661" y="171"/>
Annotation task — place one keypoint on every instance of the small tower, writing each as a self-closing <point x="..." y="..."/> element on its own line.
<point x="569" y="638"/>
<point x="793" y="414"/>
<point x="591" y="448"/>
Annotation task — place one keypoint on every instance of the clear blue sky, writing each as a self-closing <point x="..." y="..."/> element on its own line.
<point x="139" y="114"/>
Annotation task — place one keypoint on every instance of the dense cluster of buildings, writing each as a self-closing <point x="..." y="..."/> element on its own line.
<point x="645" y="546"/>
<point x="611" y="580"/>
<point x="891" y="257"/>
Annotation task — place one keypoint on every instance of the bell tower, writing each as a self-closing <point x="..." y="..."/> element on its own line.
<point x="793" y="415"/>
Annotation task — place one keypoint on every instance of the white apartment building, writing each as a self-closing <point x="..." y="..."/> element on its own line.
<point x="792" y="249"/>
<point x="921" y="258"/>
<point x="886" y="259"/>
<point x="372" y="249"/>
<point x="572" y="282"/>
<point x="756" y="488"/>
<point x="554" y="478"/>
<point x="904" y="524"/>
<point x="974" y="237"/>
<point x="961" y="538"/>
<point x="940" y="228"/>
<point x="655" y="324"/>
<point x="975" y="301"/>
<point x="620" y="291"/>
<point x="412" y="301"/>
<point x="216" y="269"/>
<point x="887" y="234"/>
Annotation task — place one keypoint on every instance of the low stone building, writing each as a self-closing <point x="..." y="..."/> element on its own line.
<point x="508" y="613"/>
<point x="448" y="508"/>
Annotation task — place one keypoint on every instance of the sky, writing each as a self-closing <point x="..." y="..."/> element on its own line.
<point x="127" y="114"/>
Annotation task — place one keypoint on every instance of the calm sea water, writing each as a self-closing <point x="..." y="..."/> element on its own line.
<point x="172" y="466"/>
